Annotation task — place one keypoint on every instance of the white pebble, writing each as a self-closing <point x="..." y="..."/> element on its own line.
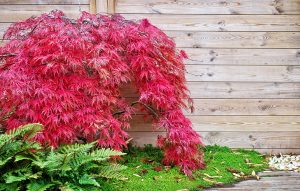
<point x="285" y="162"/>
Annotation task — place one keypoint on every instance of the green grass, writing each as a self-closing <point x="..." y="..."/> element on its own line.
<point x="221" y="162"/>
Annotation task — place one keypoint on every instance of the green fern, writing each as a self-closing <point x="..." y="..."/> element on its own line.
<point x="13" y="144"/>
<point x="29" y="130"/>
<point x="104" y="154"/>
<point x="9" y="187"/>
<point x="76" y="167"/>
<point x="88" y="180"/>
<point x="112" y="171"/>
<point x="39" y="185"/>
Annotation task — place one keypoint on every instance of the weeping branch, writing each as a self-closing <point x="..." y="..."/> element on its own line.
<point x="7" y="55"/>
<point x="149" y="108"/>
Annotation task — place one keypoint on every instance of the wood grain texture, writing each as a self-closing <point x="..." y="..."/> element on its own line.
<point x="249" y="57"/>
<point x="227" y="123"/>
<point x="221" y="22"/>
<point x="242" y="107"/>
<point x="243" y="73"/>
<point x="111" y="5"/>
<point x="234" y="90"/>
<point x="246" y="107"/>
<point x="266" y="140"/>
<point x="218" y="73"/>
<point x="235" y="39"/>
<point x="242" y="56"/>
<point x="93" y="6"/>
<point x="42" y="2"/>
<point x="209" y="6"/>
<point x="101" y="6"/>
<point x="270" y="181"/>
<point x="243" y="90"/>
<point x="232" y="56"/>
<point x="3" y="28"/>
<point x="207" y="56"/>
<point x="273" y="151"/>
<point x="14" y="13"/>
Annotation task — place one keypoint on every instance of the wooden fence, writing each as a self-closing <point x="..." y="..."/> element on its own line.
<point x="245" y="54"/>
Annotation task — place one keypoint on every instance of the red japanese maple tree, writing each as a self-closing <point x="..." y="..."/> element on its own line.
<point x="67" y="74"/>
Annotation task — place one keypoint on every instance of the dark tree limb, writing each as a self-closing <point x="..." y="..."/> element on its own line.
<point x="138" y="102"/>
<point x="8" y="55"/>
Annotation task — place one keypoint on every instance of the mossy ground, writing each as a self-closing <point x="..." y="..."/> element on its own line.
<point x="223" y="166"/>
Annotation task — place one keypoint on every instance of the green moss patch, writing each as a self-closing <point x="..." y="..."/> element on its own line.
<point x="223" y="166"/>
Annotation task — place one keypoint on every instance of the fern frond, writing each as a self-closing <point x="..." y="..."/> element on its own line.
<point x="30" y="130"/>
<point x="57" y="162"/>
<point x="104" y="154"/>
<point x="5" y="161"/>
<point x="111" y="171"/>
<point x="88" y="180"/>
<point x="9" y="187"/>
<point x="79" y="160"/>
<point x="39" y="185"/>
<point x="17" y="175"/>
<point x="71" y="187"/>
<point x="20" y="157"/>
<point x="76" y="148"/>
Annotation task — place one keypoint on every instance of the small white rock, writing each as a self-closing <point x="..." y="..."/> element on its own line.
<point x="285" y="162"/>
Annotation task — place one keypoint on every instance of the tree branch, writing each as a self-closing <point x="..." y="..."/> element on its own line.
<point x="7" y="55"/>
<point x="136" y="102"/>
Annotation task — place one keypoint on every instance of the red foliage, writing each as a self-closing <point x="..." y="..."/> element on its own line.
<point x="67" y="74"/>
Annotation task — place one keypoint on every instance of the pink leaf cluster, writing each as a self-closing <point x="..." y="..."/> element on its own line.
<point x="67" y="74"/>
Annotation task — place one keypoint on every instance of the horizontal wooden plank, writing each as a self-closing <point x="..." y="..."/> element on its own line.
<point x="47" y="2"/>
<point x="3" y="28"/>
<point x="266" y="140"/>
<point x="14" y="13"/>
<point x="235" y="90"/>
<point x="242" y="107"/>
<point x="246" y="107"/>
<point x="222" y="22"/>
<point x="271" y="182"/>
<point x="209" y="6"/>
<point x="227" y="123"/>
<point x="223" y="39"/>
<point x="286" y="174"/>
<point x="277" y="151"/>
<point x="243" y="56"/>
<point x="235" y="39"/>
<point x="243" y="73"/>
<point x="243" y="90"/>
<point x="232" y="56"/>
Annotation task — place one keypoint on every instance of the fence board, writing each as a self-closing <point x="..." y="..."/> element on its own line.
<point x="13" y="13"/>
<point x="244" y="90"/>
<point x="243" y="73"/>
<point x="277" y="151"/>
<point x="43" y="2"/>
<point x="243" y="56"/>
<point x="242" y="107"/>
<point x="222" y="22"/>
<point x="247" y="107"/>
<point x="236" y="39"/>
<point x="209" y="6"/>
<point x="3" y="28"/>
<point x="259" y="140"/>
<point x="228" y="123"/>
<point x="234" y="90"/>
